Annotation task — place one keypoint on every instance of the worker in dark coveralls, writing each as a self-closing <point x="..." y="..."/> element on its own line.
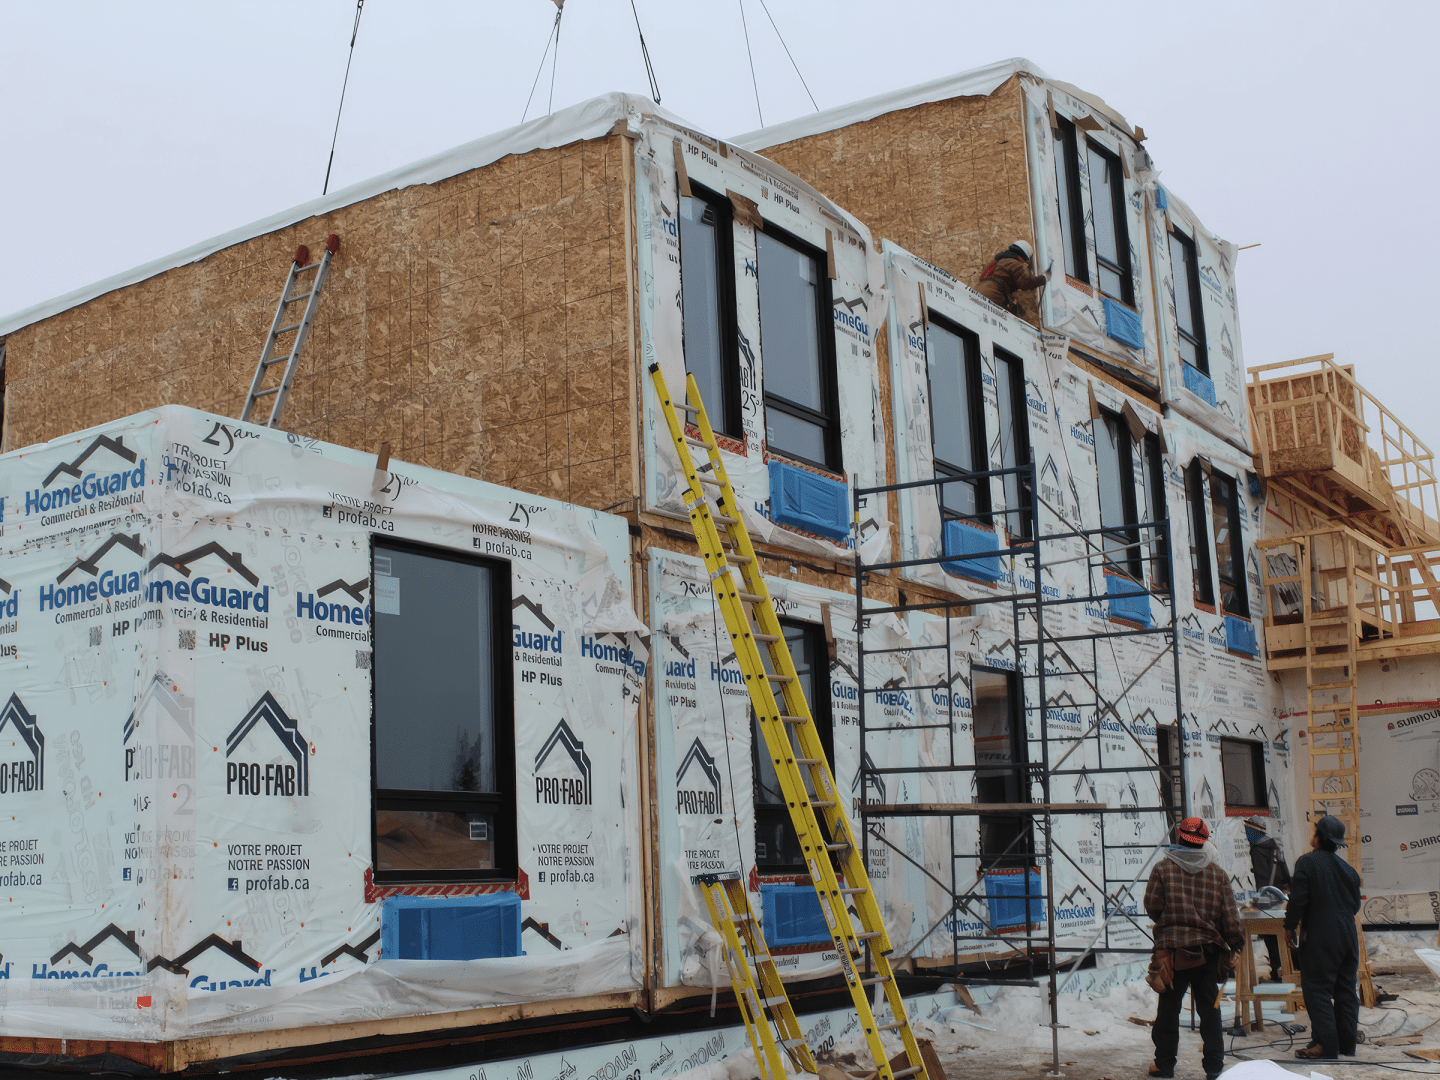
<point x="1267" y="864"/>
<point x="1197" y="928"/>
<point x="1324" y="898"/>
<point x="1009" y="273"/>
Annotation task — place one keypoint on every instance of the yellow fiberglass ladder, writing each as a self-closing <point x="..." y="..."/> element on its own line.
<point x="816" y="808"/>
<point x="755" y="978"/>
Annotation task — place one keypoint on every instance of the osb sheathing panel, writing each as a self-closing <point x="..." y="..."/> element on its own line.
<point x="478" y="325"/>
<point x="947" y="181"/>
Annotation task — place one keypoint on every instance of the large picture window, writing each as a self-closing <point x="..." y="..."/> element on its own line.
<point x="1112" y="237"/>
<point x="444" y="760"/>
<point x="1072" y="211"/>
<point x="1242" y="764"/>
<point x="1189" y="317"/>
<point x="957" y="416"/>
<point x="707" y="290"/>
<point x="802" y="410"/>
<point x="777" y="847"/>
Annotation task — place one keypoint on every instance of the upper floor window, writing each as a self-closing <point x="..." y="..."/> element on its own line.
<point x="1112" y="238"/>
<point x="1072" y="212"/>
<point x="707" y="284"/>
<point x="802" y="410"/>
<point x="1123" y="505"/>
<point x="777" y="848"/>
<point x="1229" y="548"/>
<point x="957" y="416"/>
<point x="1189" y="318"/>
<point x="1199" y="535"/>
<point x="1014" y="440"/>
<point x="444" y="764"/>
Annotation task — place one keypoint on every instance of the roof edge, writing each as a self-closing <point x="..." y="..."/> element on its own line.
<point x="588" y="120"/>
<point x="980" y="82"/>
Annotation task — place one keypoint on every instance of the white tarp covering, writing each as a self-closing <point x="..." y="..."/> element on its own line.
<point x="188" y="597"/>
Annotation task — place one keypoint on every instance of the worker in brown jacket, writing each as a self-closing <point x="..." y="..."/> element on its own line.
<point x="1197" y="929"/>
<point x="1009" y="273"/>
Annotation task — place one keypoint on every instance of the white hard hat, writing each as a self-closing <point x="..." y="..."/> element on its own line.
<point x="1024" y="246"/>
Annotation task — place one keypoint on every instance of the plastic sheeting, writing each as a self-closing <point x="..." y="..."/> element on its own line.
<point x="1223" y="694"/>
<point x="794" y="207"/>
<point x="150" y="896"/>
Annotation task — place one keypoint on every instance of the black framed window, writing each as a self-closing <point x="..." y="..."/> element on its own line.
<point x="1115" y="468"/>
<point x="802" y="406"/>
<point x="1152" y="507"/>
<point x="1002" y="761"/>
<point x="1014" y="439"/>
<point x="1189" y="315"/>
<point x="1112" y="236"/>
<point x="707" y="290"/>
<point x="443" y="753"/>
<point x="777" y="848"/>
<point x="1229" y="548"/>
<point x="1124" y="504"/>
<point x="1242" y="766"/>
<point x="1199" y="534"/>
<point x="1072" y="211"/>
<point x="957" y="416"/>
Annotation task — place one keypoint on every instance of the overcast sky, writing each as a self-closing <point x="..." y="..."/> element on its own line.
<point x="131" y="130"/>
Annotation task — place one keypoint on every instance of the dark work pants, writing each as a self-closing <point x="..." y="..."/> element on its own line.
<point x="1272" y="950"/>
<point x="1327" y="979"/>
<point x="1204" y="983"/>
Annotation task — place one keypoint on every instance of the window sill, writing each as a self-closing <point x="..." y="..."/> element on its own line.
<point x="1200" y="605"/>
<point x="725" y="442"/>
<point x="1082" y="286"/>
<point x="1246" y="811"/>
<point x="808" y="466"/>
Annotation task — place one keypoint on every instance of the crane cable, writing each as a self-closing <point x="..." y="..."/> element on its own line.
<point x="644" y="52"/>
<point x="354" y="32"/>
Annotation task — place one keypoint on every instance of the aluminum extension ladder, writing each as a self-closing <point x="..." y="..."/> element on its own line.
<point x="751" y="620"/>
<point x="301" y="329"/>
<point x="747" y="956"/>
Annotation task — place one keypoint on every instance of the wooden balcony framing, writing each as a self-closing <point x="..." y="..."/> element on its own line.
<point x="1315" y="427"/>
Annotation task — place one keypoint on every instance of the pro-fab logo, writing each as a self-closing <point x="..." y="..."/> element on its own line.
<point x="562" y="770"/>
<point x="22" y="762"/>
<point x="268" y="777"/>
<point x="85" y="487"/>
<point x="106" y="584"/>
<point x="697" y="783"/>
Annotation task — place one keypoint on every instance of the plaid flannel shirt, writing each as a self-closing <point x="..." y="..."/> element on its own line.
<point x="1192" y="909"/>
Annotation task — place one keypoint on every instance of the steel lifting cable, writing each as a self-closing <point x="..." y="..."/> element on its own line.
<point x="751" y="55"/>
<point x="764" y="7"/>
<point x="554" y="33"/>
<point x="645" y="53"/>
<point x="354" y="32"/>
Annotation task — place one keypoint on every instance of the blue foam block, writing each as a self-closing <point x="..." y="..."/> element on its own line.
<point x="450" y="927"/>
<point x="1240" y="636"/>
<point x="803" y="500"/>
<point x="792" y="914"/>
<point x="1128" y="600"/>
<point x="963" y="538"/>
<point x="1123" y="324"/>
<point x="1199" y="384"/>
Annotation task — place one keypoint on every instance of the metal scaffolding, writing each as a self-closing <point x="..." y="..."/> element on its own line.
<point x="1049" y="647"/>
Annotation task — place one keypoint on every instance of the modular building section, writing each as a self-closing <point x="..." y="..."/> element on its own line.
<point x="288" y="741"/>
